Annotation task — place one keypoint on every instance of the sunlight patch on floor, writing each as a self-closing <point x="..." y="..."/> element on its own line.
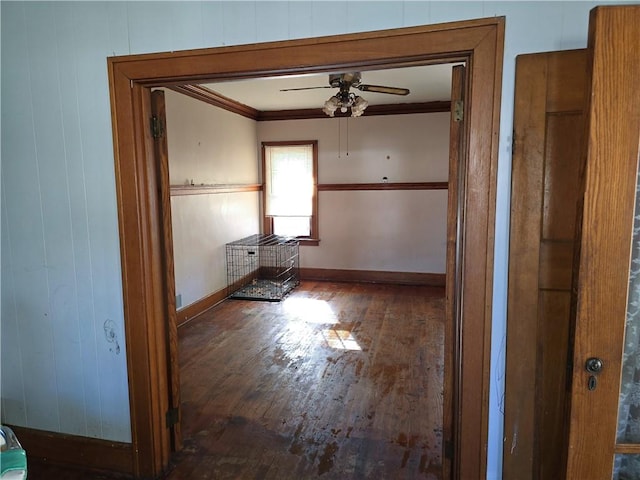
<point x="313" y="311"/>
<point x="340" y="339"/>
<point x="310" y="310"/>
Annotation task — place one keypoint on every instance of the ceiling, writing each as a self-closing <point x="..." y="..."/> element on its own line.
<point x="427" y="83"/>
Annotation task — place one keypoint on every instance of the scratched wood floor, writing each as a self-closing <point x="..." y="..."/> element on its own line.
<point x="338" y="381"/>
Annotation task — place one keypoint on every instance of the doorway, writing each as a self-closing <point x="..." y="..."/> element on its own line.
<point x="478" y="43"/>
<point x="384" y="404"/>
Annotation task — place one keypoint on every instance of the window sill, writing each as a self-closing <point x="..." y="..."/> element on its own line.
<point x="309" y="242"/>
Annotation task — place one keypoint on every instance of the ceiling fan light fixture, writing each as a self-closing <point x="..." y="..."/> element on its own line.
<point x="344" y="101"/>
<point x="358" y="107"/>
<point x="331" y="105"/>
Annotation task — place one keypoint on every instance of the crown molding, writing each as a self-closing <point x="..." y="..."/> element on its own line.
<point x="211" y="97"/>
<point x="214" y="98"/>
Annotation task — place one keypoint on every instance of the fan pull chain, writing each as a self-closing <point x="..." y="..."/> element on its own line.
<point x="347" y="136"/>
<point x="339" y="142"/>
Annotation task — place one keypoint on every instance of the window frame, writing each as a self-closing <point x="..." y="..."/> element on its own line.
<point x="267" y="222"/>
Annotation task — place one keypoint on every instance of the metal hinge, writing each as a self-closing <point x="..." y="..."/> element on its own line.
<point x="156" y="127"/>
<point x="173" y="416"/>
<point x="458" y="111"/>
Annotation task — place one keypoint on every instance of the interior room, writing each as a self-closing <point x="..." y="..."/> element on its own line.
<point x="381" y="186"/>
<point x="106" y="248"/>
<point x="324" y="380"/>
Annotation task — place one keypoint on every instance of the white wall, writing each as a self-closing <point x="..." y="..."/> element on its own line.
<point x="417" y="146"/>
<point x="392" y="231"/>
<point x="63" y="352"/>
<point x="202" y="226"/>
<point x="209" y="146"/>
<point x="60" y="254"/>
<point x="397" y="231"/>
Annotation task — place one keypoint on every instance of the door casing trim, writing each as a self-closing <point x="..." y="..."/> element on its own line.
<point x="478" y="43"/>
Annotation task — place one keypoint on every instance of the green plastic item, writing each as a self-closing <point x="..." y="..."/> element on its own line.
<point x="13" y="458"/>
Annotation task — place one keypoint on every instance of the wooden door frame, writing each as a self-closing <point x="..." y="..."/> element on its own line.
<point x="457" y="151"/>
<point x="478" y="43"/>
<point x="161" y="153"/>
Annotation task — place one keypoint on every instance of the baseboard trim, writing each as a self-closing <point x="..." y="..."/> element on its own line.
<point x="200" y="306"/>
<point x="73" y="450"/>
<point x="372" y="276"/>
<point x="325" y="274"/>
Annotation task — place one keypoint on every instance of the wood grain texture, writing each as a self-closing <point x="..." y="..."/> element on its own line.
<point x="555" y="269"/>
<point x="563" y="162"/>
<point x="196" y="308"/>
<point x="627" y="448"/>
<point x="455" y="218"/>
<point x="83" y="453"/>
<point x="157" y="338"/>
<point x="337" y="187"/>
<point x="551" y="392"/>
<point x="286" y="398"/>
<point x="545" y="186"/>
<point x="476" y="287"/>
<point x="392" y="109"/>
<point x="136" y="186"/>
<point x="524" y="260"/>
<point x="158" y="109"/>
<point x="611" y="159"/>
<point x="395" y="46"/>
<point x="177" y="190"/>
<point x="373" y="276"/>
<point x="130" y="80"/>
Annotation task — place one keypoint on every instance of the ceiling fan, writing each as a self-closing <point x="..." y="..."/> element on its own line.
<point x="345" y="98"/>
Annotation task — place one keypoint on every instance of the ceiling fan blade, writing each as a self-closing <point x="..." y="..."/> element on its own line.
<point x="303" y="88"/>
<point x="382" y="89"/>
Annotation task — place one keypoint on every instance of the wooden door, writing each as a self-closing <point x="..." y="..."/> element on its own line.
<point x="550" y="92"/>
<point x="161" y="153"/>
<point x="577" y="131"/>
<point x="602" y="279"/>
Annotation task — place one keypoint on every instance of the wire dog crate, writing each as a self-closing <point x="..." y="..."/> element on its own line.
<point x="262" y="267"/>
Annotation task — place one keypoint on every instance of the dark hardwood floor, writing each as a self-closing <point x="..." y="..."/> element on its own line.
<point x="338" y="381"/>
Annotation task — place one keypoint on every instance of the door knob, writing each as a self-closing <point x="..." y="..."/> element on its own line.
<point x="593" y="365"/>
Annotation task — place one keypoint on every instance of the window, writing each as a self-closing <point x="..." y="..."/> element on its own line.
<point x="290" y="172"/>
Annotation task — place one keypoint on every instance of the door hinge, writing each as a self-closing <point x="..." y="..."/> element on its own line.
<point x="173" y="416"/>
<point x="157" y="131"/>
<point x="458" y="110"/>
